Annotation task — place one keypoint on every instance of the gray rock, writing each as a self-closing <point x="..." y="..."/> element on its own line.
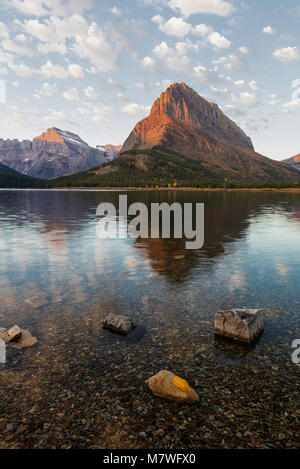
<point x="243" y="325"/>
<point x="118" y="324"/>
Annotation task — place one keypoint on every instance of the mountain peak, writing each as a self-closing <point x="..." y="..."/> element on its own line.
<point x="183" y="106"/>
<point x="55" y="135"/>
<point x="51" y="136"/>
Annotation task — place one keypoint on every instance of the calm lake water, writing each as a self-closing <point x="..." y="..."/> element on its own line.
<point x="80" y="386"/>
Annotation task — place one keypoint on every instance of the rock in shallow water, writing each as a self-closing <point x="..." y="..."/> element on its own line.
<point x="243" y="325"/>
<point x="118" y="324"/>
<point x="169" y="386"/>
<point x="12" y="334"/>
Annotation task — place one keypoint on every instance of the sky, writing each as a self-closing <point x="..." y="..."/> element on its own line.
<point x="95" y="67"/>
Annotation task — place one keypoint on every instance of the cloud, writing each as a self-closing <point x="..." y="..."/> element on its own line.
<point x="46" y="90"/>
<point x="71" y="94"/>
<point x="247" y="99"/>
<point x="3" y="30"/>
<point x="17" y="48"/>
<point x="239" y="83"/>
<point x="116" y="11"/>
<point x="176" y="27"/>
<point x="218" y="41"/>
<point x="244" y="50"/>
<point x="51" y="70"/>
<point x="190" y="7"/>
<point x="233" y="62"/>
<point x="50" y="7"/>
<point x="254" y="86"/>
<point x="175" y="58"/>
<point x="207" y="76"/>
<point x="55" y="116"/>
<point x="268" y="30"/>
<point x="157" y="19"/>
<point x="75" y="71"/>
<point x="149" y="63"/>
<point x="287" y="54"/>
<point x="91" y="93"/>
<point x="22" y="70"/>
<point x="136" y="109"/>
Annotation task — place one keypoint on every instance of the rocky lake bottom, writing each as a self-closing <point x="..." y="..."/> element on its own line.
<point x="83" y="387"/>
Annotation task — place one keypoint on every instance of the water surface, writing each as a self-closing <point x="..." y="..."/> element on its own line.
<point x="82" y="387"/>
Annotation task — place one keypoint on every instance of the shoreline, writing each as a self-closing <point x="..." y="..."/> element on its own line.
<point x="174" y="189"/>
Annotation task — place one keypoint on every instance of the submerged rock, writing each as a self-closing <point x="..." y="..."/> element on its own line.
<point x="12" y="334"/>
<point x="243" y="325"/>
<point x="169" y="386"/>
<point x="26" y="340"/>
<point x="118" y="324"/>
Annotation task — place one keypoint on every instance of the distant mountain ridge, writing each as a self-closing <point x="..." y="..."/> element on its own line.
<point x="53" y="154"/>
<point x="294" y="161"/>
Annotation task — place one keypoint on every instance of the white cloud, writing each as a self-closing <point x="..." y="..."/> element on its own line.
<point x="157" y="19"/>
<point x="17" y="48"/>
<point x="22" y="70"/>
<point x="136" y="109"/>
<point x="116" y="11"/>
<point x="220" y="42"/>
<point x="149" y="63"/>
<point x="176" y="27"/>
<point x="75" y="71"/>
<point x="3" y="30"/>
<point x="91" y="93"/>
<point x="207" y="76"/>
<point x="287" y="54"/>
<point x="71" y="94"/>
<point x="239" y="83"/>
<point x="247" y="99"/>
<point x="53" y="71"/>
<point x="49" y="7"/>
<point x="244" y="50"/>
<point x="55" y="116"/>
<point x="46" y="90"/>
<point x="268" y="30"/>
<point x="190" y="7"/>
<point x="254" y="86"/>
<point x="291" y="106"/>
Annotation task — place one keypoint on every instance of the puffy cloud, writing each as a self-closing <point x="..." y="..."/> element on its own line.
<point x="51" y="70"/>
<point x="287" y="54"/>
<point x="116" y="11"/>
<point x="55" y="116"/>
<point x="71" y="94"/>
<point x="268" y="30"/>
<point x="17" y="48"/>
<point x="239" y="83"/>
<point x="244" y="50"/>
<point x="3" y="30"/>
<point x="220" y="42"/>
<point x="91" y="93"/>
<point x="149" y="63"/>
<point x="175" y="58"/>
<point x="207" y="76"/>
<point x="157" y="19"/>
<point x="176" y="27"/>
<point x="46" y="90"/>
<point x="190" y="7"/>
<point x="254" y="86"/>
<point x="136" y="109"/>
<point x="22" y="70"/>
<point x="233" y="62"/>
<point x="49" y="7"/>
<point x="247" y="99"/>
<point x="75" y="71"/>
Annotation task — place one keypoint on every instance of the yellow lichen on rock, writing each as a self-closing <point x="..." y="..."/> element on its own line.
<point x="181" y="384"/>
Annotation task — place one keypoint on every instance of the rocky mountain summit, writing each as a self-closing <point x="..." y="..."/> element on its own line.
<point x="53" y="154"/>
<point x="184" y="126"/>
<point x="294" y="161"/>
<point x="110" y="150"/>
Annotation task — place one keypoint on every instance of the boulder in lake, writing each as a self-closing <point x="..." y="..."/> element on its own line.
<point x="243" y="325"/>
<point x="169" y="386"/>
<point x="119" y="324"/>
<point x="12" y="335"/>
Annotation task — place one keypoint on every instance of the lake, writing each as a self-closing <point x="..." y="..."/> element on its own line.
<point x="82" y="387"/>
